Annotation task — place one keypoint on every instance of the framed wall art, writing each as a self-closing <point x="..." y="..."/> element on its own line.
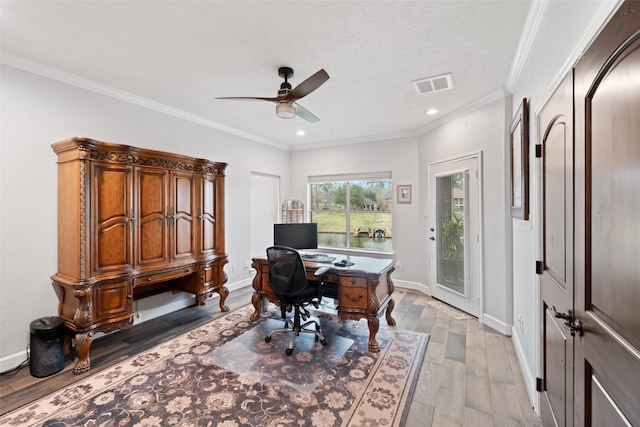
<point x="404" y="193"/>
<point x="519" y="153"/>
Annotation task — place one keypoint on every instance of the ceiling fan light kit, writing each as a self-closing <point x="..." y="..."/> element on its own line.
<point x="285" y="110"/>
<point x="286" y="105"/>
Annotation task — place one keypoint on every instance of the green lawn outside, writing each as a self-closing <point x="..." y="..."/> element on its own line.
<point x="334" y="222"/>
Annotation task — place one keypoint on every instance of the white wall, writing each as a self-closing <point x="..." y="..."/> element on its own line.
<point x="481" y="130"/>
<point x="564" y="30"/>
<point x="36" y="112"/>
<point x="400" y="156"/>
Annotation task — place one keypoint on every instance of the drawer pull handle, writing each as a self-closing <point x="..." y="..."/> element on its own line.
<point x="149" y="279"/>
<point x="352" y="299"/>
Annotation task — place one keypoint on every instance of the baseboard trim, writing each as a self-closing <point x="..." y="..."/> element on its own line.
<point x="528" y="377"/>
<point x="145" y="313"/>
<point x="414" y="286"/>
<point x="497" y="324"/>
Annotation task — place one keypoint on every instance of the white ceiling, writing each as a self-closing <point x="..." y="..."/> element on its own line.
<point x="182" y="54"/>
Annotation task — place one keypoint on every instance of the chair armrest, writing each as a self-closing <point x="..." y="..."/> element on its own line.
<point x="322" y="270"/>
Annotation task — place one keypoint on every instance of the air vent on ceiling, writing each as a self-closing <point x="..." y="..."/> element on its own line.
<point x="433" y="84"/>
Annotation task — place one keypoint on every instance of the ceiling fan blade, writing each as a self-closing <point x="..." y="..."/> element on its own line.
<point x="305" y="114"/>
<point x="253" y="98"/>
<point x="308" y="86"/>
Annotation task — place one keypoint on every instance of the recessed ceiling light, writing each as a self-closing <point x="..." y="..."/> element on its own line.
<point x="432" y="111"/>
<point x="300" y="132"/>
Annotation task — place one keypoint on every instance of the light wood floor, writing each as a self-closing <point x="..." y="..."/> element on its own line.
<point x="470" y="375"/>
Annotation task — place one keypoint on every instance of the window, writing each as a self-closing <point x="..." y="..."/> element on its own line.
<point x="353" y="211"/>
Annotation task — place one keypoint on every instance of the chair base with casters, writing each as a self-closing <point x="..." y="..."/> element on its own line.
<point x="288" y="279"/>
<point x="296" y="328"/>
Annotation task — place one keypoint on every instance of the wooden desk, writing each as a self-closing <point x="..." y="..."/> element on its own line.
<point x="363" y="290"/>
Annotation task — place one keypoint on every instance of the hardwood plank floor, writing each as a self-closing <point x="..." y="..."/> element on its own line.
<point x="469" y="376"/>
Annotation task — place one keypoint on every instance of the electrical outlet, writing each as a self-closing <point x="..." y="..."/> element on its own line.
<point x="398" y="266"/>
<point x="521" y="324"/>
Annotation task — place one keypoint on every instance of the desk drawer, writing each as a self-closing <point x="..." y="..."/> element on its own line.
<point x="352" y="298"/>
<point x="162" y="277"/>
<point x="353" y="282"/>
<point x="353" y="293"/>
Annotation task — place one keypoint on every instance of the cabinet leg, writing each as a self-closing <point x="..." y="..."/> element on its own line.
<point x="374" y="325"/>
<point x="390" y="320"/>
<point x="256" y="300"/>
<point x="201" y="299"/>
<point x="83" y="342"/>
<point x="224" y="293"/>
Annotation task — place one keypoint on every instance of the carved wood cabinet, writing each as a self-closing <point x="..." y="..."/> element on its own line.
<point x="132" y="223"/>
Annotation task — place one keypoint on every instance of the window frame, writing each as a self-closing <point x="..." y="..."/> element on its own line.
<point x="348" y="180"/>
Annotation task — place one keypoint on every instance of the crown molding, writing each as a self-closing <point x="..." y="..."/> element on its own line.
<point x="358" y="140"/>
<point x="75" y="80"/>
<point x="454" y="115"/>
<point x="529" y="31"/>
<point x="489" y="99"/>
<point x="602" y="16"/>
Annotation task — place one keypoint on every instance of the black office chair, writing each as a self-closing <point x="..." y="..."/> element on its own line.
<point x="288" y="279"/>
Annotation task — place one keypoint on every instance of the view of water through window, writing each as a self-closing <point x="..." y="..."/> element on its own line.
<point x="361" y="242"/>
<point x="353" y="214"/>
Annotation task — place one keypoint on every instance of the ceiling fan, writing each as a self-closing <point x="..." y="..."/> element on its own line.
<point x="286" y="101"/>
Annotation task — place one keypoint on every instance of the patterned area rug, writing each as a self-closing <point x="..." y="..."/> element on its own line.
<point x="224" y="374"/>
<point x="451" y="311"/>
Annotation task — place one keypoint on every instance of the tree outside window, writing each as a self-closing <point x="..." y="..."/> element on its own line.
<point x="353" y="214"/>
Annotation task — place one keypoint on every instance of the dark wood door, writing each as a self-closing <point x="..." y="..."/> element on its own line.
<point x="556" y="131"/>
<point x="152" y="236"/>
<point x="111" y="210"/>
<point x="607" y="224"/>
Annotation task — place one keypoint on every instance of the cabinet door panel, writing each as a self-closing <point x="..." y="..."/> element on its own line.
<point x="111" y="208"/>
<point x="183" y="215"/>
<point x="112" y="302"/>
<point x="152" y="242"/>
<point x="207" y="219"/>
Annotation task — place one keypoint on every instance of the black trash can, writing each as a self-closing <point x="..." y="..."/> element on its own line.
<point x="47" y="346"/>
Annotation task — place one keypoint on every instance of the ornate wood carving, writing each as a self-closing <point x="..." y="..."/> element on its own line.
<point x="82" y="318"/>
<point x="83" y="221"/>
<point x="97" y="280"/>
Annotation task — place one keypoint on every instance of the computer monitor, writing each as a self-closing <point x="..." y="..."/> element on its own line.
<point x="296" y="236"/>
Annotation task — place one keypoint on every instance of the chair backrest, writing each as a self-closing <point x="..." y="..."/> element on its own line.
<point x="287" y="275"/>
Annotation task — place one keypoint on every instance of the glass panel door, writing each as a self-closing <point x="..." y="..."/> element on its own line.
<point x="453" y="213"/>
<point x="450" y="220"/>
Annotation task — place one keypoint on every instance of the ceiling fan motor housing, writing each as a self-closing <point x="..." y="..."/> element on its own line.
<point x="286" y="73"/>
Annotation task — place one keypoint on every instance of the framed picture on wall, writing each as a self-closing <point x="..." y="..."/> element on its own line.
<point x="404" y="193"/>
<point x="519" y="153"/>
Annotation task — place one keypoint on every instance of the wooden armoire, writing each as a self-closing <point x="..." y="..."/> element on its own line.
<point x="132" y="223"/>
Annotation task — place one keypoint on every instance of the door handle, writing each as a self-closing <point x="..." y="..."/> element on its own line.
<point x="432" y="238"/>
<point x="565" y="316"/>
<point x="574" y="325"/>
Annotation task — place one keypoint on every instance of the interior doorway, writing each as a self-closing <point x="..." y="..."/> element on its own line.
<point x="265" y="209"/>
<point x="454" y="201"/>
